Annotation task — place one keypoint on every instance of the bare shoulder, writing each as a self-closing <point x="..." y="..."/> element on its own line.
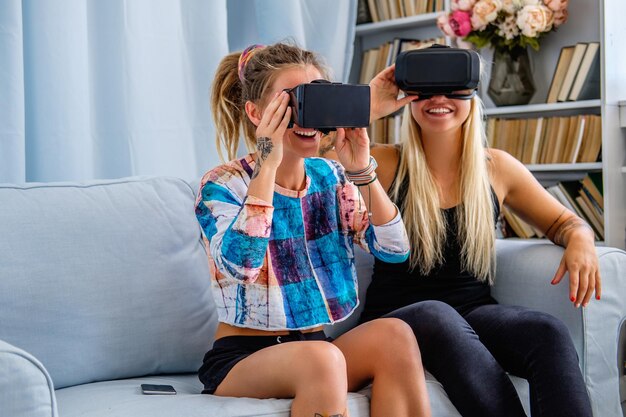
<point x="503" y="164"/>
<point x="387" y="157"/>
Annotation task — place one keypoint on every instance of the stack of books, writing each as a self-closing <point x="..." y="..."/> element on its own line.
<point x="577" y="74"/>
<point x="378" y="10"/>
<point x="548" y="140"/>
<point x="583" y="198"/>
<point x="376" y="59"/>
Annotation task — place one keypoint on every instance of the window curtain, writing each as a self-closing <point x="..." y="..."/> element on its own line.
<point x="94" y="89"/>
<point x="324" y="26"/>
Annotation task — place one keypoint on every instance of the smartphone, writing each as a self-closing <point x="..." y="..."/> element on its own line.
<point x="152" y="389"/>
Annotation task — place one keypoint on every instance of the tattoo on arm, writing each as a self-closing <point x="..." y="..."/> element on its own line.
<point x="565" y="227"/>
<point x="327" y="415"/>
<point x="264" y="147"/>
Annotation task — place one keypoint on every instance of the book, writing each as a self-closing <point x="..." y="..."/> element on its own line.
<point x="572" y="70"/>
<point x="519" y="226"/>
<point x="373" y="10"/>
<point x="565" y="57"/>
<point x="539" y="132"/>
<point x="577" y="140"/>
<point x="363" y="14"/>
<point x="592" y="182"/>
<point x="409" y="7"/>
<point x="592" y="141"/>
<point x="589" y="217"/>
<point x="588" y="76"/>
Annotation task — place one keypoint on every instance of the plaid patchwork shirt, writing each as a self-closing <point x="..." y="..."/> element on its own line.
<point x="288" y="264"/>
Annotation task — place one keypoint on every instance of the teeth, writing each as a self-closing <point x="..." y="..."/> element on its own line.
<point x="439" y="110"/>
<point x="313" y="133"/>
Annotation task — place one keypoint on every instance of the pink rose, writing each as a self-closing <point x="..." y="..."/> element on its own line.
<point x="556" y="5"/>
<point x="443" y="23"/>
<point x="485" y="12"/>
<point x="460" y="23"/>
<point x="560" y="17"/>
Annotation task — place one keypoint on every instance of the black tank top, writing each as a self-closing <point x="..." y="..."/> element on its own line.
<point x="395" y="285"/>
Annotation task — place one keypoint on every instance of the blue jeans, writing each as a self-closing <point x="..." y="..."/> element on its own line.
<point x="470" y="356"/>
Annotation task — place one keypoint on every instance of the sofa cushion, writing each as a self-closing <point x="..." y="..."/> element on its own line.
<point x="106" y="279"/>
<point x="124" y="399"/>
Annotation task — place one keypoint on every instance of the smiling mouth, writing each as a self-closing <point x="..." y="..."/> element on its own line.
<point x="439" y="110"/>
<point x="306" y="135"/>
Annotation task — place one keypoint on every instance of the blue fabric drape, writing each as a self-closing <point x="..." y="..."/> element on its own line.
<point x="106" y="89"/>
<point x="324" y="26"/>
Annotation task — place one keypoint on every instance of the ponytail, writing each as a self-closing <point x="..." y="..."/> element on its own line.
<point x="240" y="80"/>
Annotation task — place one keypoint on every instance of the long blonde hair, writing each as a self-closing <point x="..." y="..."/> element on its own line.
<point x="229" y="93"/>
<point x="425" y="221"/>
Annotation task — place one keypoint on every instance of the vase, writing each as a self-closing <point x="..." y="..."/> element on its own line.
<point x="511" y="80"/>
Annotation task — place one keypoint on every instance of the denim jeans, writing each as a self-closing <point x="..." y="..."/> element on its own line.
<point x="470" y="356"/>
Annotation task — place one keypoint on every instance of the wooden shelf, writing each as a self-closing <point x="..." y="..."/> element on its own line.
<point x="542" y="108"/>
<point x="584" y="166"/>
<point x="419" y="20"/>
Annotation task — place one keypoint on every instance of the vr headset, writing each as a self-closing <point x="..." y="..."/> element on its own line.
<point x="325" y="106"/>
<point x="438" y="70"/>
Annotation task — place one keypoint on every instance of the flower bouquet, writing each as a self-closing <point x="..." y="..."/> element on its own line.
<point x="506" y="25"/>
<point x="509" y="27"/>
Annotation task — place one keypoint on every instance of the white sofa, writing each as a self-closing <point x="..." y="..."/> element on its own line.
<point x="105" y="285"/>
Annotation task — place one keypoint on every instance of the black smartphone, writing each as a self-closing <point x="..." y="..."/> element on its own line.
<point x="153" y="389"/>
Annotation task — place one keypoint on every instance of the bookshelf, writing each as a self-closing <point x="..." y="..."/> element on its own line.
<point x="589" y="21"/>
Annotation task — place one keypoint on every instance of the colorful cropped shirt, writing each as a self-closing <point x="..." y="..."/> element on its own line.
<point x="288" y="264"/>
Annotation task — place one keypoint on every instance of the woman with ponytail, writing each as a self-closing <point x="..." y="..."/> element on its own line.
<point x="450" y="187"/>
<point x="280" y="226"/>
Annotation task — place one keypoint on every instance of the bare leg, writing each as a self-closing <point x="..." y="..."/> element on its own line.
<point x="311" y="372"/>
<point x="385" y="353"/>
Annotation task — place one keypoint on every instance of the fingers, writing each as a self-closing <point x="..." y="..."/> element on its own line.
<point x="406" y="100"/>
<point x="591" y="286"/>
<point x="573" y="285"/>
<point x="275" y="111"/>
<point x="598" y="285"/>
<point x="387" y="74"/>
<point x="560" y="273"/>
<point x="583" y="284"/>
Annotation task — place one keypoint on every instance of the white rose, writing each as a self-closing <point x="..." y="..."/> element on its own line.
<point x="512" y="6"/>
<point x="465" y="5"/>
<point x="533" y="19"/>
<point x="508" y="28"/>
<point x="485" y="12"/>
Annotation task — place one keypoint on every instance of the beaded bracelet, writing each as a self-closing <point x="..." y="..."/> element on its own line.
<point x="365" y="176"/>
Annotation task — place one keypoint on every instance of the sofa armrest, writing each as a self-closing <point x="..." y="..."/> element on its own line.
<point x="524" y="272"/>
<point x="26" y="389"/>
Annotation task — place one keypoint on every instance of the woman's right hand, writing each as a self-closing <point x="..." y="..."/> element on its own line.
<point x="384" y="94"/>
<point x="271" y="130"/>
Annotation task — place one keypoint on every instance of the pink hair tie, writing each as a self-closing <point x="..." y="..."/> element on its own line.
<point x="245" y="57"/>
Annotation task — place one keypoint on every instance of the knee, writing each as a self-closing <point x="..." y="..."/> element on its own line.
<point x="395" y="344"/>
<point x="548" y="330"/>
<point x="434" y="321"/>
<point x="323" y="365"/>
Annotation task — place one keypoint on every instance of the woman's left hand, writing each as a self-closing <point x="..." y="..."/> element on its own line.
<point x="353" y="148"/>
<point x="384" y="94"/>
<point x="581" y="261"/>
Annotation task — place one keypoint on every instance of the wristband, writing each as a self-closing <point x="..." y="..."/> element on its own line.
<point x="365" y="176"/>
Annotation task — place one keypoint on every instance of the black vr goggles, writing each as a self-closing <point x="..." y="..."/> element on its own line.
<point x="438" y="70"/>
<point x="325" y="106"/>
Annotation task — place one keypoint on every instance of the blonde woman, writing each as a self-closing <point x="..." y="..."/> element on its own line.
<point x="280" y="228"/>
<point x="450" y="188"/>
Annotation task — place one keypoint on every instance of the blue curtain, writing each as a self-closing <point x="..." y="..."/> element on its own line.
<point x="107" y="89"/>
<point x="324" y="26"/>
